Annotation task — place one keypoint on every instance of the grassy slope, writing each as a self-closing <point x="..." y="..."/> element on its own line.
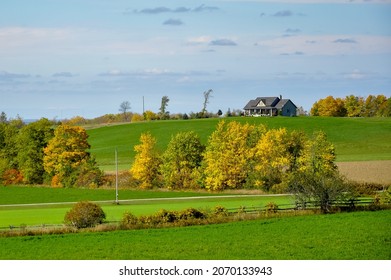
<point x="355" y="139"/>
<point x="360" y="235"/>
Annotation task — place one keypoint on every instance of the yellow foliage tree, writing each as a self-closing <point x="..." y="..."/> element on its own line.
<point x="226" y="159"/>
<point x="272" y="158"/>
<point x="66" y="151"/>
<point x="318" y="155"/>
<point x="146" y="163"/>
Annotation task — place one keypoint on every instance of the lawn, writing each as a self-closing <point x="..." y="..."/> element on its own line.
<point x="355" y="139"/>
<point x="54" y="214"/>
<point x="346" y="236"/>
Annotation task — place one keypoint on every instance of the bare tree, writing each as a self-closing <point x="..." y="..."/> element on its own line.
<point x="207" y="95"/>
<point x="123" y="108"/>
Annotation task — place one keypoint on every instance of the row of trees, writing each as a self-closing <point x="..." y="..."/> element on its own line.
<point x="38" y="153"/>
<point x="353" y="106"/>
<point x="239" y="156"/>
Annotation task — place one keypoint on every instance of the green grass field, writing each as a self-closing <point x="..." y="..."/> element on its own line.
<point x="355" y="139"/>
<point x="346" y="236"/>
<point x="142" y="203"/>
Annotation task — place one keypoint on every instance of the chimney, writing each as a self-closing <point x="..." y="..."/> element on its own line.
<point x="280" y="97"/>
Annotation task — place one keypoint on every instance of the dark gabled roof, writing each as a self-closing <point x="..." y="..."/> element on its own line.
<point x="282" y="103"/>
<point x="268" y="101"/>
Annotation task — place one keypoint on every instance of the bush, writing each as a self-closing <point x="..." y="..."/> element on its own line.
<point x="12" y="177"/>
<point x="85" y="214"/>
<point x="271" y="207"/>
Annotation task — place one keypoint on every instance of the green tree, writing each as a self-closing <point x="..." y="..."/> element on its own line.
<point x="181" y="160"/>
<point x="163" y="114"/>
<point x="32" y="139"/>
<point x="317" y="178"/>
<point x="146" y="164"/>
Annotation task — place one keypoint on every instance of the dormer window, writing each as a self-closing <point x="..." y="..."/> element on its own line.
<point x="261" y="104"/>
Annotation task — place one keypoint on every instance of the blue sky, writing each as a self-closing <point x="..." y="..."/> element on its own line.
<point x="62" y="58"/>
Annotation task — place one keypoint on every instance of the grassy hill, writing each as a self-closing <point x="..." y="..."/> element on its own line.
<point x="355" y="139"/>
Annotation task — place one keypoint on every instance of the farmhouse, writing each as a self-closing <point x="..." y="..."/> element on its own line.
<point x="270" y="106"/>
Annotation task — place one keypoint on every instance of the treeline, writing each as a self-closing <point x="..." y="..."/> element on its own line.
<point x="236" y="156"/>
<point x="44" y="153"/>
<point x="353" y="106"/>
<point x="147" y="116"/>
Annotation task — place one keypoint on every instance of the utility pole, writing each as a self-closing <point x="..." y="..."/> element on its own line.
<point x="116" y="177"/>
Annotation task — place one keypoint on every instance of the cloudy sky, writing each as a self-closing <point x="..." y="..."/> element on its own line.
<point x="62" y="58"/>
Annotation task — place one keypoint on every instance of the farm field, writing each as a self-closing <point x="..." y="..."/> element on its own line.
<point x="346" y="236"/>
<point x="139" y="203"/>
<point x="355" y="139"/>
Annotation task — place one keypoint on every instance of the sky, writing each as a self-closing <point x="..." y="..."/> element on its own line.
<point x="66" y="58"/>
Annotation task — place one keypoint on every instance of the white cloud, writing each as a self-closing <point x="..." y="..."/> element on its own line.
<point x="199" y="40"/>
<point x="327" y="44"/>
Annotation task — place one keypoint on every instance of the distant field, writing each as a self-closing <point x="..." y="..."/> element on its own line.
<point x="367" y="171"/>
<point x="346" y="236"/>
<point x="355" y="139"/>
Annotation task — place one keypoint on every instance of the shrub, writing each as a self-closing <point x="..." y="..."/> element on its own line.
<point x="271" y="207"/>
<point x="128" y="220"/>
<point x="12" y="177"/>
<point x="220" y="211"/>
<point x="85" y="214"/>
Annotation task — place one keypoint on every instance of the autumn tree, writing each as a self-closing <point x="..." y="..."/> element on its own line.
<point x="150" y="116"/>
<point x="181" y="160"/>
<point x="146" y="164"/>
<point x="31" y="141"/>
<point x="329" y="107"/>
<point x="67" y="157"/>
<point x="226" y="158"/>
<point x="272" y="158"/>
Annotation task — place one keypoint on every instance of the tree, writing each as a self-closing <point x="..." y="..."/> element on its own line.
<point x="272" y="158"/>
<point x="329" y="107"/>
<point x="227" y="155"/>
<point x="8" y="145"/>
<point x="31" y="141"/>
<point x="66" y="154"/>
<point x="123" y="108"/>
<point x="3" y="117"/>
<point x="354" y="106"/>
<point x="146" y="164"/>
<point x="207" y="95"/>
<point x="317" y="179"/>
<point x="181" y="160"/>
<point x="162" y="111"/>
<point x="150" y="116"/>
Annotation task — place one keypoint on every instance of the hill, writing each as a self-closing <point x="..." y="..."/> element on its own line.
<point x="355" y="139"/>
